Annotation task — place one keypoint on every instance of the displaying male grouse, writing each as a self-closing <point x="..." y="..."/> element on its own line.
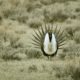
<point x="49" y="39"/>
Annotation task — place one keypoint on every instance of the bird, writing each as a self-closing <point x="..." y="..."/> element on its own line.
<point x="49" y="39"/>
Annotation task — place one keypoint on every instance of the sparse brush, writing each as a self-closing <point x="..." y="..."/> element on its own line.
<point x="69" y="32"/>
<point x="73" y="33"/>
<point x="1" y="18"/>
<point x="13" y="42"/>
<point x="77" y="37"/>
<point x="73" y="70"/>
<point x="10" y="37"/>
<point x="8" y="53"/>
<point x="34" y="23"/>
<point x="60" y="16"/>
<point x="22" y="19"/>
<point x="7" y="9"/>
<point x="30" y="7"/>
<point x="77" y="10"/>
<point x="2" y="33"/>
<point x="46" y="2"/>
<point x="15" y="2"/>
<point x="7" y="13"/>
<point x="1" y="2"/>
<point x="33" y="53"/>
<point x="14" y="38"/>
<point x="70" y="70"/>
<point x="62" y="56"/>
<point x="51" y="17"/>
<point x="72" y="51"/>
<point x="32" y="68"/>
<point x="76" y="28"/>
<point x="76" y="74"/>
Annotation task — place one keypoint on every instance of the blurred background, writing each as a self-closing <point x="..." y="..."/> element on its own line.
<point x="19" y="60"/>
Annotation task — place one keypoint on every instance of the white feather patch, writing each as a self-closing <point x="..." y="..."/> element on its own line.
<point x="50" y="47"/>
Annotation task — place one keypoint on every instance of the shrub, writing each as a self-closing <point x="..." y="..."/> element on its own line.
<point x="14" y="39"/>
<point x="8" y="42"/>
<point x="10" y="37"/>
<point x="70" y="70"/>
<point x="72" y="51"/>
<point x="69" y="32"/>
<point x="22" y="18"/>
<point x="51" y="17"/>
<point x="30" y="7"/>
<point x="76" y="28"/>
<point x="62" y="55"/>
<point x="32" y="68"/>
<point x="46" y="2"/>
<point x="34" y="23"/>
<point x="73" y="70"/>
<point x="73" y="32"/>
<point x="7" y="13"/>
<point x="19" y="14"/>
<point x="2" y="33"/>
<point x="77" y="10"/>
<point x="77" y="37"/>
<point x="76" y="73"/>
<point x="1" y="18"/>
<point x="33" y="53"/>
<point x="8" y="53"/>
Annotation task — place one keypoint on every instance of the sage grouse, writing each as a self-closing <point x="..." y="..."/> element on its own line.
<point x="49" y="39"/>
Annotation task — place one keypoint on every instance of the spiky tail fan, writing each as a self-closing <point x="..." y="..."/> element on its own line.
<point x="38" y="36"/>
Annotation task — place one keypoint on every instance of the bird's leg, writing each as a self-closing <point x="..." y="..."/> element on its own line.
<point x="48" y="57"/>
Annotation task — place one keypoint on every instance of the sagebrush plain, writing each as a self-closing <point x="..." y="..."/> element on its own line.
<point x="19" y="60"/>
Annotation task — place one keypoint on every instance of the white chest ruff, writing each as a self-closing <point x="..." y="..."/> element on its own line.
<point x="50" y="47"/>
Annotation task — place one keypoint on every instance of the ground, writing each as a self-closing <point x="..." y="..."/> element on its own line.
<point x="39" y="69"/>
